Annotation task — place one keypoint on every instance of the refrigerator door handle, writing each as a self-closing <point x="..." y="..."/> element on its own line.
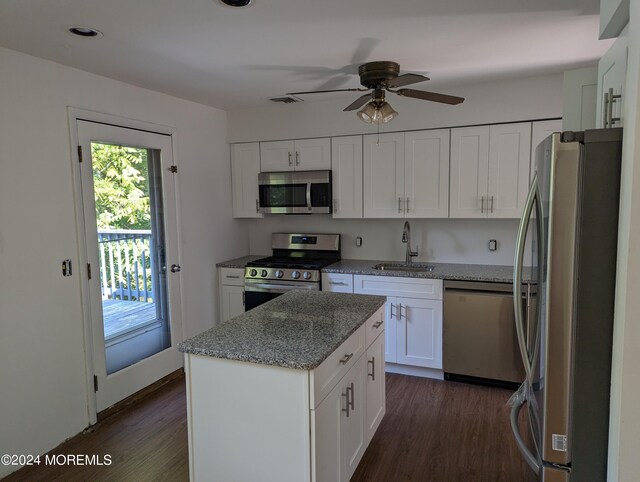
<point x="517" y="277"/>
<point x="524" y="450"/>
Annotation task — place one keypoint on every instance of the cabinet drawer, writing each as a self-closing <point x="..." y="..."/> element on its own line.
<point x="374" y="326"/>
<point x="232" y="276"/>
<point x="330" y="371"/>
<point x="338" y="282"/>
<point x="429" y="289"/>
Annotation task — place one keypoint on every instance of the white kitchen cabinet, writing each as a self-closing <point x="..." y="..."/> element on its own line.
<point x="384" y="175"/>
<point x="375" y="398"/>
<point x="231" y="292"/>
<point x="346" y="169"/>
<point x="413" y="318"/>
<point x="245" y="167"/>
<point x="297" y="155"/>
<point x="612" y="73"/>
<point x="426" y="174"/>
<point x="579" y="98"/>
<point x="489" y="170"/>
<point x="419" y="332"/>
<point x="338" y="282"/>
<point x="406" y="175"/>
<point x="539" y="132"/>
<point x="614" y="16"/>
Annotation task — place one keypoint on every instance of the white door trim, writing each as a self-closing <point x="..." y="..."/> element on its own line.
<point x="74" y="115"/>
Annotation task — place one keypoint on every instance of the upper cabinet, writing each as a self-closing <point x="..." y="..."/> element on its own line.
<point x="245" y="166"/>
<point x="539" y="132"/>
<point x="298" y="155"/>
<point x="579" y="99"/>
<point x="614" y="15"/>
<point x="406" y="175"/>
<point x="489" y="170"/>
<point x="346" y="169"/>
<point x="612" y="72"/>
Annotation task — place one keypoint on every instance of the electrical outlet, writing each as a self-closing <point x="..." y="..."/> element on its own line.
<point x="493" y="245"/>
<point x="358" y="241"/>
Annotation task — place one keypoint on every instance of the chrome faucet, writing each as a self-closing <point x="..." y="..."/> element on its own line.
<point x="406" y="238"/>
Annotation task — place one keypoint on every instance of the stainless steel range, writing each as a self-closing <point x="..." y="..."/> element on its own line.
<point x="296" y="263"/>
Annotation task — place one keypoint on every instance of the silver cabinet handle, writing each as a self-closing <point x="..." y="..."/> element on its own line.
<point x="346" y="358"/>
<point x="378" y="324"/>
<point x="297" y="158"/>
<point x="290" y="161"/>
<point x="373" y="368"/>
<point x="349" y="400"/>
<point x="233" y="276"/>
<point x="338" y="283"/>
<point x="405" y="311"/>
<point x="257" y="206"/>
<point x="408" y="209"/>
<point x="175" y="268"/>
<point x="605" y="110"/>
<point x="392" y="314"/>
<point x="491" y="204"/>
<point x="399" y="205"/>
<point x="482" y="204"/>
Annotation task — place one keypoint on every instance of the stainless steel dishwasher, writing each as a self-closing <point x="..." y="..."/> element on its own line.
<point x="479" y="335"/>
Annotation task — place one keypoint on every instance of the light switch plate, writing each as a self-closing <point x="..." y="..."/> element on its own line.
<point x="358" y="241"/>
<point x="493" y="245"/>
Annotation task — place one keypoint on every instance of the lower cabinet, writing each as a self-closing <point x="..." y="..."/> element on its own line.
<point x="375" y="387"/>
<point x="413" y="318"/>
<point x="231" y="292"/>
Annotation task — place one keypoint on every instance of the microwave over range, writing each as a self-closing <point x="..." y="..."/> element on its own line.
<point x="295" y="192"/>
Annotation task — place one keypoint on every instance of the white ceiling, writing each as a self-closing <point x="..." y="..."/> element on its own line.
<point x="233" y="58"/>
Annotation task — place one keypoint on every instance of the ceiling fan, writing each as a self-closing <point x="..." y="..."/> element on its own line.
<point x="380" y="77"/>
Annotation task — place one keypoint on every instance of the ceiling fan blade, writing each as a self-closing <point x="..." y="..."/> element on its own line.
<point x="359" y="102"/>
<point x="406" y="79"/>
<point x="432" y="96"/>
<point x="326" y="91"/>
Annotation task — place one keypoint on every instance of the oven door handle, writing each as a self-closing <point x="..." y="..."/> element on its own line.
<point x="278" y="288"/>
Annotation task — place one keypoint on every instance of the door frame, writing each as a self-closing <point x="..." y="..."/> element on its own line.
<point x="74" y="115"/>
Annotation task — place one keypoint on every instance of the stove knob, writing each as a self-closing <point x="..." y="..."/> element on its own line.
<point x="306" y="275"/>
<point x="263" y="273"/>
<point x="253" y="272"/>
<point x="279" y="274"/>
<point x="295" y="274"/>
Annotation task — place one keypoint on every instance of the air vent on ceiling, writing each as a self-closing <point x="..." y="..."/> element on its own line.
<point x="285" y="100"/>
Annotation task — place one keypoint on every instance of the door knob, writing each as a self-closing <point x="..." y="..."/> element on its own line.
<point x="175" y="268"/>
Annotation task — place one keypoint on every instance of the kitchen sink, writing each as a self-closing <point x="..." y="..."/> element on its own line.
<point x="414" y="267"/>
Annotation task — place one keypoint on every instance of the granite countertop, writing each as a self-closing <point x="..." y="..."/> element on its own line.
<point x="299" y="329"/>
<point x="239" y="262"/>
<point x="448" y="271"/>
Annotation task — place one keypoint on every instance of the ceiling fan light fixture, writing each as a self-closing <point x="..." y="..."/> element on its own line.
<point x="377" y="113"/>
<point x="387" y="113"/>
<point x="369" y="113"/>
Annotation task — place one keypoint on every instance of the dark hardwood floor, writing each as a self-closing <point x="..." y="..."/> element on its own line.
<point x="434" y="431"/>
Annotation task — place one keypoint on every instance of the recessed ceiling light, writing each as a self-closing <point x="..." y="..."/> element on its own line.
<point x="237" y="3"/>
<point x="85" y="32"/>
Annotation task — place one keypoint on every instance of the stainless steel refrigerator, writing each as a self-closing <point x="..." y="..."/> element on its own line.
<point x="571" y="219"/>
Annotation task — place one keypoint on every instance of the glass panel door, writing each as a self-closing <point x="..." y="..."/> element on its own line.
<point x="128" y="195"/>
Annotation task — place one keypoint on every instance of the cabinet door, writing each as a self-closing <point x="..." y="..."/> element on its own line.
<point x="469" y="172"/>
<point x="346" y="167"/>
<point x="337" y="282"/>
<point x="509" y="167"/>
<point x="245" y="166"/>
<point x="325" y="437"/>
<point x="612" y="72"/>
<point x="375" y="401"/>
<point x="232" y="301"/>
<point x="539" y="132"/>
<point x="419" y="335"/>
<point x="426" y="174"/>
<point x="384" y="176"/>
<point x="276" y="156"/>
<point x="390" y="330"/>
<point x="352" y="423"/>
<point x="312" y="154"/>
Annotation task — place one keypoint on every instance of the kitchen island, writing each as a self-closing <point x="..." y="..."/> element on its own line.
<point x="292" y="390"/>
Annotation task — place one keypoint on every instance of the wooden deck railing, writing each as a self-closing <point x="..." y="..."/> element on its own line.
<point x="126" y="264"/>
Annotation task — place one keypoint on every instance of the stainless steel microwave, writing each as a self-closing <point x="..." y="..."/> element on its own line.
<point x="295" y="192"/>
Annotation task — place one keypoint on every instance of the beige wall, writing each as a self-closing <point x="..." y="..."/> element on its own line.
<point x="43" y="394"/>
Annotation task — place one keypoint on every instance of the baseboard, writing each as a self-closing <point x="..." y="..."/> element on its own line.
<point x="139" y="395"/>
<point x="414" y="371"/>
